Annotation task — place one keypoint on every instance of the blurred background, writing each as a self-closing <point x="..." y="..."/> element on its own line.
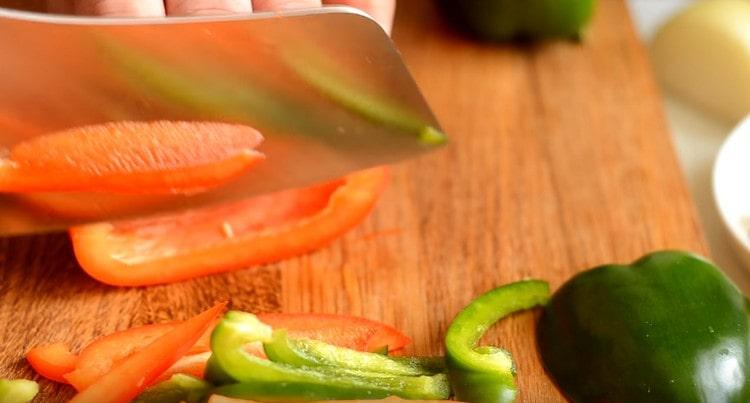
<point x="698" y="135"/>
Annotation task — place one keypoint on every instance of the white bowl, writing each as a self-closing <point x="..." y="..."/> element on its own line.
<point x="731" y="179"/>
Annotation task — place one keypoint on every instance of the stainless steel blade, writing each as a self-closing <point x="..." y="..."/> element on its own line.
<point x="326" y="87"/>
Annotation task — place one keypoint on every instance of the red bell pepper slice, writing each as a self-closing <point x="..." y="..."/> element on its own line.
<point x="52" y="361"/>
<point x="132" y="157"/>
<point x="260" y="230"/>
<point x="193" y="364"/>
<point x="133" y="374"/>
<point x="344" y="331"/>
<point x="101" y="355"/>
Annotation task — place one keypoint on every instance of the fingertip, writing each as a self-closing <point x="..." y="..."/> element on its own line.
<point x="207" y="7"/>
<point x="120" y="8"/>
<point x="381" y="11"/>
<point x="280" y="5"/>
<point x="60" y="7"/>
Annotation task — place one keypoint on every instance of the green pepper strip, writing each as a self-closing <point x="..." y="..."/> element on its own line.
<point x="237" y="329"/>
<point x="314" y="353"/>
<point x="215" y="374"/>
<point x="431" y="365"/>
<point x="177" y="389"/>
<point x="17" y="390"/>
<point x="487" y="374"/>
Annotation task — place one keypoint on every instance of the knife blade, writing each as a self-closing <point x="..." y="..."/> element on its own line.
<point x="326" y="87"/>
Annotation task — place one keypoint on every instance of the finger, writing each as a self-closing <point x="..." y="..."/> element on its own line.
<point x="207" y="7"/>
<point x="120" y="8"/>
<point x="60" y="7"/>
<point x="280" y="5"/>
<point x="380" y="10"/>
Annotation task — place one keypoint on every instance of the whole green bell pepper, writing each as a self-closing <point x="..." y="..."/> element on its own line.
<point x="669" y="327"/>
<point x="487" y="374"/>
<point x="501" y="20"/>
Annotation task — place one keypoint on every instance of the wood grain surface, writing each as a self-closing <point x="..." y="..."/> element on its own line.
<point x="560" y="160"/>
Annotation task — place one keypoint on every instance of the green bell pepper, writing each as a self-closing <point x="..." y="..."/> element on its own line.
<point x="237" y="329"/>
<point x="215" y="374"/>
<point x="669" y="327"/>
<point x="501" y="20"/>
<point x="487" y="374"/>
<point x="18" y="390"/>
<point x="177" y="389"/>
<point x="313" y="353"/>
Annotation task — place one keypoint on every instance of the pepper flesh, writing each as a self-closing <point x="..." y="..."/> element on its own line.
<point x="238" y="329"/>
<point x="52" y="361"/>
<point x="487" y="374"/>
<point x="669" y="327"/>
<point x="313" y="353"/>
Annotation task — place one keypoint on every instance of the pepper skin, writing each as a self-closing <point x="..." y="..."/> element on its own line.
<point x="502" y="20"/>
<point x="670" y="327"/>
<point x="317" y="354"/>
<point x="180" y="388"/>
<point x="487" y="374"/>
<point x="237" y="329"/>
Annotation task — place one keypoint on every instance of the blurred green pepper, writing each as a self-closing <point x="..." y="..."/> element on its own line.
<point x="502" y="20"/>
<point x="17" y="390"/>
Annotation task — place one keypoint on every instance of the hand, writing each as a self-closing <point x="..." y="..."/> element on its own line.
<point x="381" y="10"/>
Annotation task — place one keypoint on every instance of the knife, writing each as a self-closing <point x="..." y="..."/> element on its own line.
<point x="326" y="87"/>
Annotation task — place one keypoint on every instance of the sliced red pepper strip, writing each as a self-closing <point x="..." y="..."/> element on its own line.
<point x="344" y="331"/>
<point x="132" y="157"/>
<point x="192" y="364"/>
<point x="102" y="354"/>
<point x="133" y="375"/>
<point x="255" y="231"/>
<point x="52" y="361"/>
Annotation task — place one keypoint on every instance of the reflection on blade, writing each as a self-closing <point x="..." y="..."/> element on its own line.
<point x="211" y="93"/>
<point x="313" y="68"/>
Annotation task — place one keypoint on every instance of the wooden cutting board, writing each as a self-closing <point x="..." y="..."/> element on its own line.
<point x="560" y="160"/>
